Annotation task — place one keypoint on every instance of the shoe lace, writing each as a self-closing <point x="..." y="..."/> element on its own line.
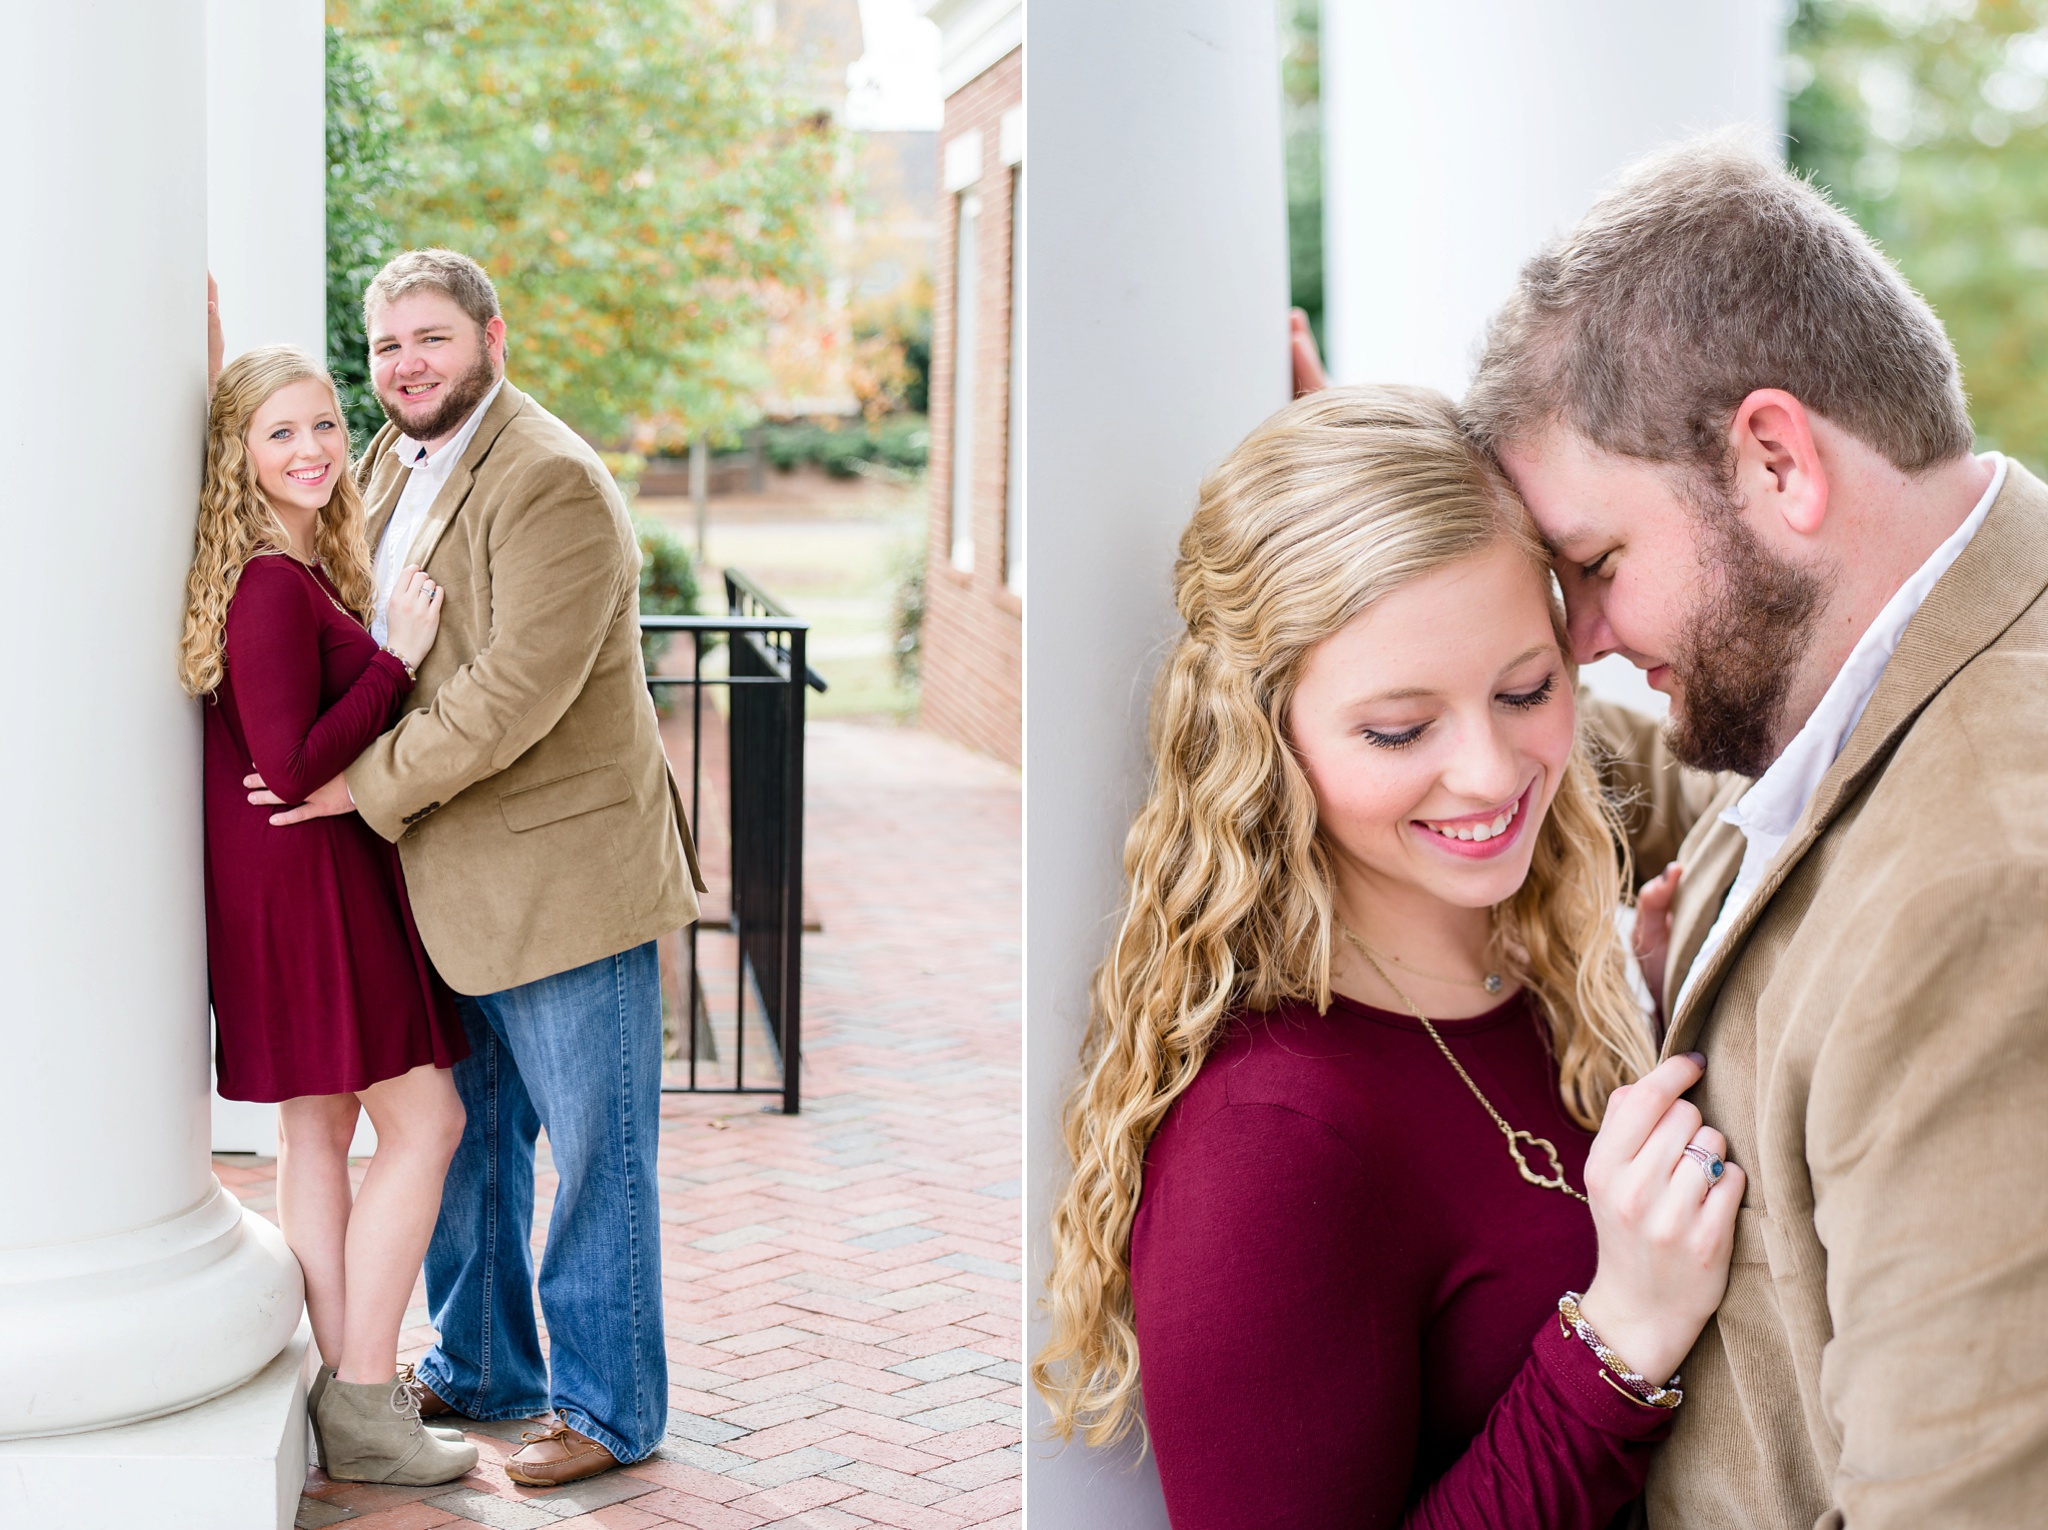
<point x="554" y="1431"/>
<point x="404" y="1401"/>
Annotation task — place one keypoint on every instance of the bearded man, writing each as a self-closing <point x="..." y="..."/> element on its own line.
<point x="1745" y="438"/>
<point x="544" y="850"/>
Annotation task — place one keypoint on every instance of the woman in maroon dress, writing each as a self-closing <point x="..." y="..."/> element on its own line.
<point x="324" y="1000"/>
<point x="1333" y="1141"/>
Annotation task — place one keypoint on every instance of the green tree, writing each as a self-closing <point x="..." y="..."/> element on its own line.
<point x="1929" y="124"/>
<point x="364" y="177"/>
<point x="1301" y="105"/>
<point x="636" y="175"/>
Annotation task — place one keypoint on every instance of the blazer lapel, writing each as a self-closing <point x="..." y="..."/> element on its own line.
<point x="382" y="481"/>
<point x="1998" y="576"/>
<point x="449" y="501"/>
<point x="1709" y="873"/>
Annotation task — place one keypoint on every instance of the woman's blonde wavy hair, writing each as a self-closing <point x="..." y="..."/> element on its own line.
<point x="237" y="523"/>
<point x="1337" y="500"/>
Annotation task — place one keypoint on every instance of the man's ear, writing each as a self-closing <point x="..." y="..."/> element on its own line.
<point x="494" y="337"/>
<point x="1778" y="469"/>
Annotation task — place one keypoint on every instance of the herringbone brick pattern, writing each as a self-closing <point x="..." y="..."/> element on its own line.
<point x="843" y="1297"/>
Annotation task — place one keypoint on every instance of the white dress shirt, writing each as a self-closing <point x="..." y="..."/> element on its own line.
<point x="426" y="474"/>
<point x="1770" y="810"/>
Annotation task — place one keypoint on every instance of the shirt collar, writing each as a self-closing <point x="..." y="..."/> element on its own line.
<point x="1772" y="807"/>
<point x="414" y="454"/>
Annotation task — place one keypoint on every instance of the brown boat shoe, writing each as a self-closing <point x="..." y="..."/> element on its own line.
<point x="557" y="1454"/>
<point x="432" y="1403"/>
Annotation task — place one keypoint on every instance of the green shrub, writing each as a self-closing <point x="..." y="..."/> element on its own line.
<point x="906" y="615"/>
<point x="898" y="443"/>
<point x="668" y="583"/>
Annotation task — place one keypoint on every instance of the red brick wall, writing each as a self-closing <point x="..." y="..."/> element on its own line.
<point x="973" y="639"/>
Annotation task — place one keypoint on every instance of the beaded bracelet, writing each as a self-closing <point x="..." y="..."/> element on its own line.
<point x="1666" y="1396"/>
<point x="412" y="674"/>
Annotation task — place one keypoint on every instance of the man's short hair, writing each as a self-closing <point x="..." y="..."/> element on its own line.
<point x="448" y="272"/>
<point x="1706" y="273"/>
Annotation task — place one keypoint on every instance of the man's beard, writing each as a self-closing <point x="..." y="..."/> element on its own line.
<point x="457" y="399"/>
<point x="1739" y="653"/>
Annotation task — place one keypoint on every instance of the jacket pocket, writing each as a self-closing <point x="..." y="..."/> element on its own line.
<point x="532" y="806"/>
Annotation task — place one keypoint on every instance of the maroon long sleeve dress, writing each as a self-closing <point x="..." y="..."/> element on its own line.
<point x="1346" y="1297"/>
<point x="320" y="982"/>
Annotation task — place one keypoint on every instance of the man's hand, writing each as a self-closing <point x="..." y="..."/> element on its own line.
<point x="216" y="342"/>
<point x="1309" y="376"/>
<point x="326" y="802"/>
<point x="1653" y="929"/>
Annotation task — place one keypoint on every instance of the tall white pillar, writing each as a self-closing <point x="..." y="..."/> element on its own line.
<point x="131" y="1284"/>
<point x="1157" y="338"/>
<point x="266" y="155"/>
<point x="266" y="244"/>
<point x="1459" y="138"/>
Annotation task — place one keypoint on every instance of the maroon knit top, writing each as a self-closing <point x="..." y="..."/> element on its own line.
<point x="1346" y="1296"/>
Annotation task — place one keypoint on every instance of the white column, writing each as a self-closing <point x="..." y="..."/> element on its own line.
<point x="266" y="155"/>
<point x="1458" y="138"/>
<point x="266" y="244"/>
<point x="131" y="1284"/>
<point x="1157" y="338"/>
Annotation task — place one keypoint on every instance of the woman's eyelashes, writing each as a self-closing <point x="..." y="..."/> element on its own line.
<point x="1520" y="701"/>
<point x="1401" y="740"/>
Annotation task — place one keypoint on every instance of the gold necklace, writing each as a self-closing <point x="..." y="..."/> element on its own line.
<point x="1492" y="982"/>
<point x="1555" y="1180"/>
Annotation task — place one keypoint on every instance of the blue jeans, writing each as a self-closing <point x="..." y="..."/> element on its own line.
<point x="580" y="1054"/>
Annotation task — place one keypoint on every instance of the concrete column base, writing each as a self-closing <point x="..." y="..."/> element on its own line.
<point x="235" y="1463"/>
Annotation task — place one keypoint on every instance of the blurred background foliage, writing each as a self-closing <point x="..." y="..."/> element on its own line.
<point x="364" y="177"/>
<point x="1927" y="120"/>
<point x="639" y="177"/>
<point x="668" y="582"/>
<point x="1301" y="124"/>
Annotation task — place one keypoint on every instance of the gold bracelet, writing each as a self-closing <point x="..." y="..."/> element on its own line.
<point x="1645" y="1390"/>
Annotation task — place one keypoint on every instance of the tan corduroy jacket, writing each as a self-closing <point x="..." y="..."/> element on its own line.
<point x="527" y="790"/>
<point x="1876" y="1028"/>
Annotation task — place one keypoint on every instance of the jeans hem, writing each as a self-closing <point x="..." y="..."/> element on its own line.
<point x="445" y="1388"/>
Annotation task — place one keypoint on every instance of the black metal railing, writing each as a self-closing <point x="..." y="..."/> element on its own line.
<point x="756" y="981"/>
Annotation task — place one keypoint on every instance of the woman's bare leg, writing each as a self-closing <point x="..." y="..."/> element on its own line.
<point x="313" y="1198"/>
<point x="419" y="1118"/>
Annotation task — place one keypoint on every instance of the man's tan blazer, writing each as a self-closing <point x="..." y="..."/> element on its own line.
<point x="527" y="790"/>
<point x="1876" y="1028"/>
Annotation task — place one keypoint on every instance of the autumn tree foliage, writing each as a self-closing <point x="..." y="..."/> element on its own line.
<point x="638" y="176"/>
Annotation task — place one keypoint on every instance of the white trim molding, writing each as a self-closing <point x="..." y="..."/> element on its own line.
<point x="963" y="160"/>
<point x="973" y="36"/>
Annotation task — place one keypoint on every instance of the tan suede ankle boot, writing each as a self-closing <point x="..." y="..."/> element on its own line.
<point x="320" y="1379"/>
<point x="371" y="1432"/>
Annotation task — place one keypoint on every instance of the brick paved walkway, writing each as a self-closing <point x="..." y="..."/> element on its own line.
<point x="843" y="1300"/>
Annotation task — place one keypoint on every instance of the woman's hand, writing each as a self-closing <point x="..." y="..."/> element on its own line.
<point x="1653" y="927"/>
<point x="1666" y="1230"/>
<point x="216" y="342"/>
<point x="414" y="616"/>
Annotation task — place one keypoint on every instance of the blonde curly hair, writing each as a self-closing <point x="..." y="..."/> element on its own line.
<point x="1337" y="500"/>
<point x="237" y="523"/>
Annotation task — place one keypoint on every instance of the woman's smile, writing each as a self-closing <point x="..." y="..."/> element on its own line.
<point x="1477" y="836"/>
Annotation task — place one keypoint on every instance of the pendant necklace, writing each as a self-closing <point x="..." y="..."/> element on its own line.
<point x="1492" y="982"/>
<point x="1516" y="1138"/>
